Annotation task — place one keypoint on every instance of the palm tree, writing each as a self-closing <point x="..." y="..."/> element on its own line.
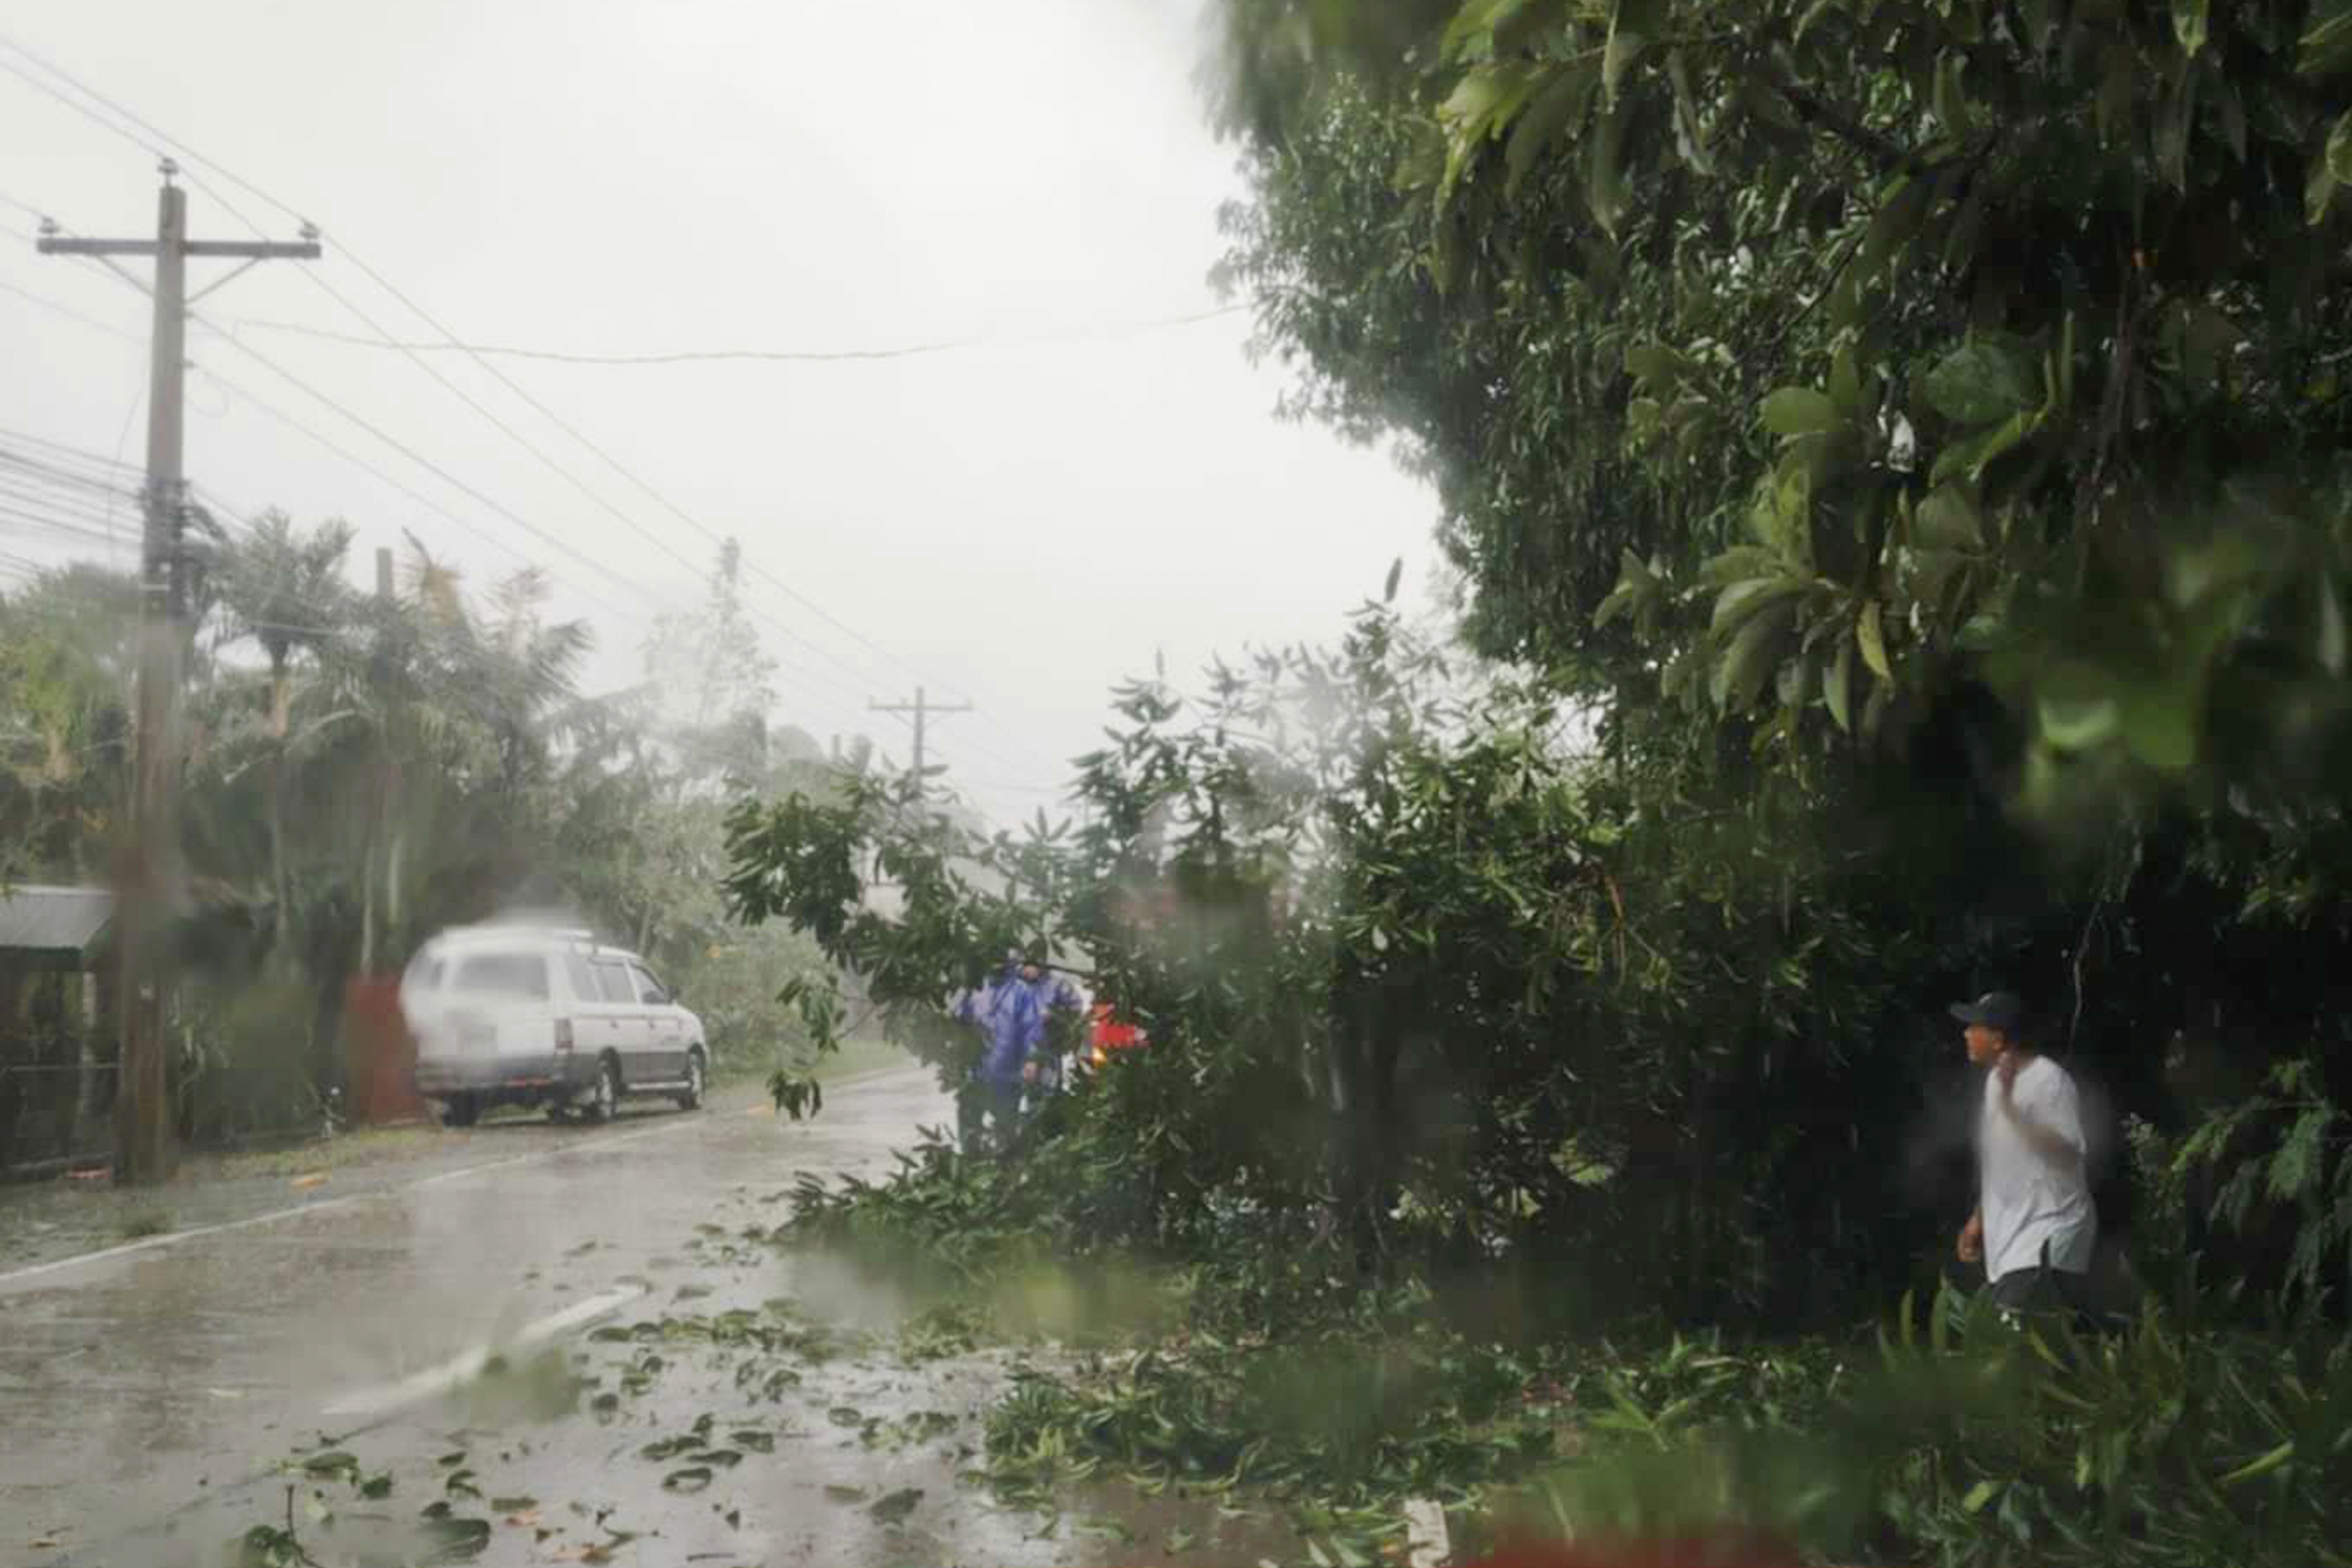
<point x="285" y="591"/>
<point x="467" y="711"/>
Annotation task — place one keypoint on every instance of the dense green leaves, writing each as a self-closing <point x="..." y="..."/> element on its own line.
<point x="364" y="770"/>
<point x="2020" y="249"/>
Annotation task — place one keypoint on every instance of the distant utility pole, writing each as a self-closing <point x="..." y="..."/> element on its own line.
<point x="922" y="708"/>
<point x="152" y="884"/>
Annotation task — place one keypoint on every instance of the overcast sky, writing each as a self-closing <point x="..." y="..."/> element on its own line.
<point x="1021" y="524"/>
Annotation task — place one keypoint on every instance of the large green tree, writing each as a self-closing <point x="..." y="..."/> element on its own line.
<point x="1914" y="426"/>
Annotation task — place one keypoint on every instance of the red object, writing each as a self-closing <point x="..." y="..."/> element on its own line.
<point x="1110" y="1035"/>
<point x="380" y="1055"/>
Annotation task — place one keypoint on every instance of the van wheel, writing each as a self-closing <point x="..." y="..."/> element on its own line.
<point x="691" y="1099"/>
<point x="460" y="1110"/>
<point x="604" y="1098"/>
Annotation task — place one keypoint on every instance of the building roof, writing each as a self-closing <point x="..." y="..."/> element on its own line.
<point x="52" y="920"/>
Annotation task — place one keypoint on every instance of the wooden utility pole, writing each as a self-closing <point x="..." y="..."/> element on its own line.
<point x="922" y="708"/>
<point x="152" y="889"/>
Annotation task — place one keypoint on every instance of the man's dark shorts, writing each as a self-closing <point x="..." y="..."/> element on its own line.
<point x="2041" y="1290"/>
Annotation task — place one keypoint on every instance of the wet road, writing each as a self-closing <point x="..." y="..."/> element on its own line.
<point x="674" y="1393"/>
<point x="137" y="1385"/>
<point x="763" y="1413"/>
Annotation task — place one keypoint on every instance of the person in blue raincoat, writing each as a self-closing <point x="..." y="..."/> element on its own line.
<point x="1057" y="999"/>
<point x="1011" y="1018"/>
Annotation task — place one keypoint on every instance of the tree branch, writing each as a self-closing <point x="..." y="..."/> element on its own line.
<point x="1816" y="110"/>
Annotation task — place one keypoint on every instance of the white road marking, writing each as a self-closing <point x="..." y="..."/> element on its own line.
<point x="173" y="1238"/>
<point x="170" y="1238"/>
<point x="462" y="1368"/>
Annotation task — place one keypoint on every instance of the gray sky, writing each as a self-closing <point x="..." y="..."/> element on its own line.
<point x="1023" y="523"/>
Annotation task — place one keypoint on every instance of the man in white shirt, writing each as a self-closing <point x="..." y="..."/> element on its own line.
<point x="2035" y="1229"/>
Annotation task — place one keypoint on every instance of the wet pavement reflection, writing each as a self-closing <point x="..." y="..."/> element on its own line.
<point x="664" y="1391"/>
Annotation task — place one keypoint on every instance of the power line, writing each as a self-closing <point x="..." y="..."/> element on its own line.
<point x="767" y="356"/>
<point x="272" y="410"/>
<point x="450" y="339"/>
<point x="64" y="449"/>
<point x="62" y="504"/>
<point x="70" y="313"/>
<point x="81" y="109"/>
<point x="619" y="468"/>
<point x="385" y="337"/>
<point x="28" y="208"/>
<point x="35" y="470"/>
<point x="414" y="455"/>
<point x="240" y="390"/>
<point x="65" y="529"/>
<point x="515" y="435"/>
<point x="607" y="458"/>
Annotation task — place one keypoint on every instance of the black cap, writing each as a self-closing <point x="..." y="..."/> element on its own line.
<point x="2002" y="1010"/>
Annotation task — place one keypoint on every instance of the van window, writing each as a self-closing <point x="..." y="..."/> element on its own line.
<point x="582" y="978"/>
<point x="519" y="976"/>
<point x="655" y="992"/>
<point x="613" y="979"/>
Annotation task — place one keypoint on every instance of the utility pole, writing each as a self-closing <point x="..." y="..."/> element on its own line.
<point x="922" y="708"/>
<point x="152" y="888"/>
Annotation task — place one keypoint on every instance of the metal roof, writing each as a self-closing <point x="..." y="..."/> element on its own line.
<point x="52" y="920"/>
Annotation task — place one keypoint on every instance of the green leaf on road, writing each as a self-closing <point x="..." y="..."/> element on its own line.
<point x="334" y="1465"/>
<point x="454" y="1540"/>
<point x="693" y="1479"/>
<point x="893" y="1508"/>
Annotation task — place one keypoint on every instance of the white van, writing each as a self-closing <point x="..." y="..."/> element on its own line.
<point x="535" y="1016"/>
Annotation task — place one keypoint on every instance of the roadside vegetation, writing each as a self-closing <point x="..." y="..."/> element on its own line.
<point x="1893" y="457"/>
<point x="364" y="770"/>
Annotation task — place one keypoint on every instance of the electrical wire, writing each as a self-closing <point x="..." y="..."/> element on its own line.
<point x="28" y="208"/>
<point x="764" y="357"/>
<point x="47" y="522"/>
<point x="661" y="604"/>
<point x="71" y="314"/>
<point x="386" y="338"/>
<point x="470" y="529"/>
<point x="450" y="339"/>
<point x="83" y="454"/>
<point x="83" y="110"/>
